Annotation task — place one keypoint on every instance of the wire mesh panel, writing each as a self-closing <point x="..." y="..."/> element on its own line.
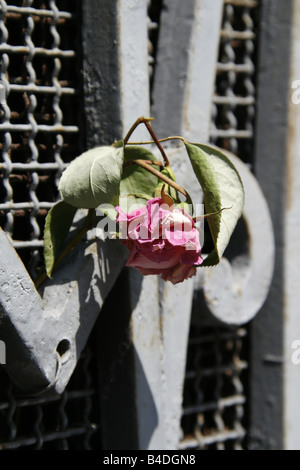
<point x="41" y="131"/>
<point x="69" y="421"/>
<point x="40" y="119"/>
<point x="154" y="11"/>
<point x="215" y="394"/>
<point x="234" y="99"/>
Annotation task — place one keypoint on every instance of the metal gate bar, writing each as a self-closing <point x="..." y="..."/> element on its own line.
<point x="215" y="408"/>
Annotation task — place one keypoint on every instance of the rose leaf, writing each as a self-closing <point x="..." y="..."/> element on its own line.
<point x="93" y="178"/>
<point x="57" y="226"/>
<point x="223" y="194"/>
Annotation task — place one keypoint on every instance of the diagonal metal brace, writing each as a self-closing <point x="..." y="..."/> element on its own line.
<point x="44" y="332"/>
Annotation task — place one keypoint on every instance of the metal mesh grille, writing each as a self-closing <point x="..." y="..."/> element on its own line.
<point x="215" y="406"/>
<point x="40" y="127"/>
<point x="39" y="123"/>
<point x="234" y="98"/>
<point x="214" y="394"/>
<point x="69" y="421"/>
<point x="154" y="11"/>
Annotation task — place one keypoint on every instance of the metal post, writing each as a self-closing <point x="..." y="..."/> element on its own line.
<point x="266" y="386"/>
<point x="291" y="383"/>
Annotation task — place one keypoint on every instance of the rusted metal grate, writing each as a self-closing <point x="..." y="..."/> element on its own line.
<point x="69" y="421"/>
<point x="40" y="113"/>
<point x="40" y="126"/>
<point x="214" y="413"/>
<point x="154" y="11"/>
<point x="234" y="98"/>
<point x="214" y="395"/>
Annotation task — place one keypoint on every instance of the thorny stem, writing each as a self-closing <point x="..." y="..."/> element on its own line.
<point x="77" y="238"/>
<point x="205" y="216"/>
<point x="146" y="164"/>
<point x="161" y="176"/>
<point x="165" y="139"/>
<point x="143" y="120"/>
<point x="150" y="162"/>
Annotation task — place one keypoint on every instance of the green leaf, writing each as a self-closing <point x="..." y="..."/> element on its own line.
<point x="57" y="226"/>
<point x="137" y="184"/>
<point x="93" y="178"/>
<point x="223" y="194"/>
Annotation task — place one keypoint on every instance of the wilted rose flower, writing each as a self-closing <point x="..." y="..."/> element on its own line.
<point x="162" y="240"/>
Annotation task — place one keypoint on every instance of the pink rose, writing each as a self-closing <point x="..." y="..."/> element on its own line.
<point x="162" y="240"/>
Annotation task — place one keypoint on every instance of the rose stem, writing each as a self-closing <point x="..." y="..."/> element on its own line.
<point x="79" y="235"/>
<point x="151" y="132"/>
<point x="165" y="139"/>
<point x="205" y="216"/>
<point x="150" y="162"/>
<point x="161" y="176"/>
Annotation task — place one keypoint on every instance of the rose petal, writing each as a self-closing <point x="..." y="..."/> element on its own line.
<point x="150" y="260"/>
<point x="161" y="240"/>
<point x="179" y="274"/>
